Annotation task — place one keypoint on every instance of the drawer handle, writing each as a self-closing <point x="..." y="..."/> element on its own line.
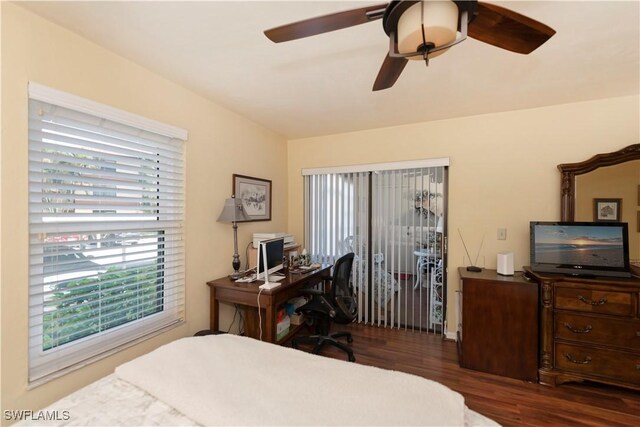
<point x="602" y="301"/>
<point x="575" y="330"/>
<point x="570" y="358"/>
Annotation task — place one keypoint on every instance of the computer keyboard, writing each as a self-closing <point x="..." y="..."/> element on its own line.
<point x="252" y="278"/>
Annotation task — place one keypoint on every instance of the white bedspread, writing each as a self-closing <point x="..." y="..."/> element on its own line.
<point x="232" y="380"/>
<point x="279" y="390"/>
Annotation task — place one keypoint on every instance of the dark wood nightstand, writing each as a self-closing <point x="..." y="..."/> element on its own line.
<point x="499" y="328"/>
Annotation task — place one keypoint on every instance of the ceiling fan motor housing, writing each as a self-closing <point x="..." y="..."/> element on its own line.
<point x="420" y="27"/>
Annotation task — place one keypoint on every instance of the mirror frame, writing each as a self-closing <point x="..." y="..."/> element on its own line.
<point x="570" y="170"/>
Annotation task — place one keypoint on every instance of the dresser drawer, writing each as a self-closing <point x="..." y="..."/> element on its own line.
<point x="618" y="365"/>
<point x="595" y="301"/>
<point x="598" y="330"/>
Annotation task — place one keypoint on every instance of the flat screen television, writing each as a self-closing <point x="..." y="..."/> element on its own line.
<point x="270" y="252"/>
<point x="580" y="248"/>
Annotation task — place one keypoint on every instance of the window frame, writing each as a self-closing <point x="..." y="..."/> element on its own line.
<point x="55" y="361"/>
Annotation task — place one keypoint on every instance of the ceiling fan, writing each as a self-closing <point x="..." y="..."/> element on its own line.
<point x="422" y="30"/>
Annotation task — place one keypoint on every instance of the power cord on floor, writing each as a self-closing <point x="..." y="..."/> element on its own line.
<point x="241" y="326"/>
<point x="234" y="318"/>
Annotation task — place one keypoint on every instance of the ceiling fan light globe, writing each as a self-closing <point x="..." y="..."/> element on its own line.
<point x="440" y="18"/>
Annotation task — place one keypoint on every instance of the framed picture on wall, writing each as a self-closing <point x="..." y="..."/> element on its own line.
<point x="255" y="194"/>
<point x="607" y="210"/>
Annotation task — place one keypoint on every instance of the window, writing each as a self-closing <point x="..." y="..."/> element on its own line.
<point x="106" y="212"/>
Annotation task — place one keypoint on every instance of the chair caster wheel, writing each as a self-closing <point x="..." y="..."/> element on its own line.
<point x="352" y="358"/>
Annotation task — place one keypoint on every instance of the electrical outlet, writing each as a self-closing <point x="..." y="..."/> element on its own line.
<point x="502" y="234"/>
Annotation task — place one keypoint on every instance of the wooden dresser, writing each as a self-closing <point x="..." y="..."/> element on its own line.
<point x="589" y="330"/>
<point x="498" y="332"/>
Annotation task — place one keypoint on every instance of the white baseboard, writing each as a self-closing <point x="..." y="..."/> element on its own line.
<point x="451" y="336"/>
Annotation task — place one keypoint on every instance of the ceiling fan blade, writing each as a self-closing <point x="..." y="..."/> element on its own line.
<point x="389" y="72"/>
<point x="325" y="24"/>
<point x="507" y="29"/>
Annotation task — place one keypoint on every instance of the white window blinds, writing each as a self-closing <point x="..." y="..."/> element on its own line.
<point x="392" y="216"/>
<point x="106" y="212"/>
<point x="408" y="213"/>
<point x="337" y="222"/>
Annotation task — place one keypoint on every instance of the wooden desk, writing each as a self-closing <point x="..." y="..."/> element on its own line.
<point x="246" y="294"/>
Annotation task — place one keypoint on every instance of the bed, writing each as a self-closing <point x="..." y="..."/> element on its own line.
<point x="232" y="380"/>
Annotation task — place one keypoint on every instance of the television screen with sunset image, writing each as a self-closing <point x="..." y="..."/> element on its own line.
<point x="580" y="248"/>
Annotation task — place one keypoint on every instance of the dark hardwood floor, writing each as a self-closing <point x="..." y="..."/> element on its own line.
<point x="508" y="401"/>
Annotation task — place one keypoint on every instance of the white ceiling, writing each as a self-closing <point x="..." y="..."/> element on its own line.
<point x="322" y="85"/>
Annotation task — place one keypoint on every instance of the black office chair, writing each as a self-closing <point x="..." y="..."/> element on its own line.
<point x="339" y="305"/>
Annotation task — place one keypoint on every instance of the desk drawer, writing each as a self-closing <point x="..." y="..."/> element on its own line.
<point x="594" y="301"/>
<point x="598" y="330"/>
<point x="618" y="365"/>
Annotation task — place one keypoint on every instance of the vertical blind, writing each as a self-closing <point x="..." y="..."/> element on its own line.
<point x="337" y="222"/>
<point x="106" y="213"/>
<point x="392" y="218"/>
<point x="408" y="213"/>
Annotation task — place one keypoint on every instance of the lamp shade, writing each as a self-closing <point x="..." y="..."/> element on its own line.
<point x="440" y="18"/>
<point x="233" y="211"/>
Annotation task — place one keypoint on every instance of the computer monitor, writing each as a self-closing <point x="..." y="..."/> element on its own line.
<point x="272" y="252"/>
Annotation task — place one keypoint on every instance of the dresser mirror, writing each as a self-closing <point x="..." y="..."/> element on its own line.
<point x="609" y="180"/>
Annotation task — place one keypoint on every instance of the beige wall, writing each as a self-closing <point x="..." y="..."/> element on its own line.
<point x="503" y="168"/>
<point x="34" y="49"/>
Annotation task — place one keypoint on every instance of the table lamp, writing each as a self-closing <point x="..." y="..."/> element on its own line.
<point x="233" y="212"/>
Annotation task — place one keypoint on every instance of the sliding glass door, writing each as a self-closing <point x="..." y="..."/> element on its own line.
<point x="393" y="219"/>
<point x="408" y="208"/>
